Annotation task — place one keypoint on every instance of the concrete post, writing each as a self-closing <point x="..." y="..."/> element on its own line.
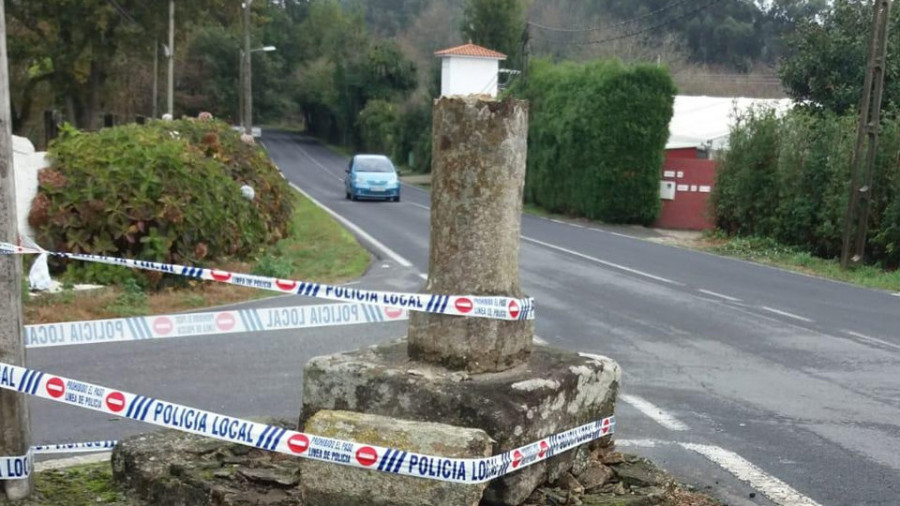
<point x="15" y="434"/>
<point x="477" y="178"/>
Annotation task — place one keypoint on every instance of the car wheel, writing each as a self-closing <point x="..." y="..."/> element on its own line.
<point x="347" y="195"/>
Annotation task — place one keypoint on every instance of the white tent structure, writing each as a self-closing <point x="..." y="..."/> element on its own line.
<point x="705" y="122"/>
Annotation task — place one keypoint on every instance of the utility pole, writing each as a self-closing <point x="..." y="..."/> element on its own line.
<point x="15" y="429"/>
<point x="171" y="76"/>
<point x="246" y="75"/>
<point x="155" y="111"/>
<point x="854" y="244"/>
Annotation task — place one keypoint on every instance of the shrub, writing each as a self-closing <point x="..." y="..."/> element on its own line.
<point x="165" y="191"/>
<point x="787" y="179"/>
<point x="596" y="138"/>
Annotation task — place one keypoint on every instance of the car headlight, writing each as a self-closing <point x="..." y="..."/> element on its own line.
<point x="360" y="180"/>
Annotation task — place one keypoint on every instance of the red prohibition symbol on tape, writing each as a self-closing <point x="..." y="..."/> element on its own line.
<point x="366" y="456"/>
<point x="115" y="401"/>
<point x="517" y="459"/>
<point x="392" y="312"/>
<point x="513" y="309"/>
<point x="544" y="448"/>
<point x="463" y="305"/>
<point x="605" y="426"/>
<point x="298" y="443"/>
<point x="225" y="321"/>
<point x="163" y="325"/>
<point x="220" y="275"/>
<point x="287" y="286"/>
<point x="55" y="387"/>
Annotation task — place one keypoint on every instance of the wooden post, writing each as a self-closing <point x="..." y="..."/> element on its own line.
<point x="15" y="433"/>
<point x="477" y="177"/>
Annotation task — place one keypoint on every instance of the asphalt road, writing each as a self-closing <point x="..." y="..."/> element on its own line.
<point x="789" y="382"/>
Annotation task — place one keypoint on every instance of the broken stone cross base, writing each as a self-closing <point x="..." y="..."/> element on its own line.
<point x="553" y="391"/>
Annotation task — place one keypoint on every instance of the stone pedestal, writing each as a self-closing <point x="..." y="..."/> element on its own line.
<point x="477" y="179"/>
<point x="325" y="484"/>
<point x="553" y="391"/>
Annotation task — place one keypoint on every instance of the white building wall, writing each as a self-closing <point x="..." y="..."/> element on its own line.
<point x="26" y="164"/>
<point x="469" y="76"/>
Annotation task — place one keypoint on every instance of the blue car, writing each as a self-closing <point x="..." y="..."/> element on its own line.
<point x="372" y="177"/>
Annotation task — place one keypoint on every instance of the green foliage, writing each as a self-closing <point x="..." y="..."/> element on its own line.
<point x="167" y="192"/>
<point x="826" y="58"/>
<point x="786" y="179"/>
<point x="131" y="302"/>
<point x="378" y="126"/>
<point x="497" y="25"/>
<point x="596" y="139"/>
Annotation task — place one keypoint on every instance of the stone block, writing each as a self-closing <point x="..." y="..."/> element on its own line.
<point x="554" y="391"/>
<point x="325" y="484"/>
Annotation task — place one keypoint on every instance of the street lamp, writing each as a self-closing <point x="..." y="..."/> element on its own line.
<point x="245" y="109"/>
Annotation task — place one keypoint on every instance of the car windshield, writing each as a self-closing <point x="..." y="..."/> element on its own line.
<point x="373" y="165"/>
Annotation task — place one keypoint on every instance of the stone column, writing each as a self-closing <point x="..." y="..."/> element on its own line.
<point x="477" y="179"/>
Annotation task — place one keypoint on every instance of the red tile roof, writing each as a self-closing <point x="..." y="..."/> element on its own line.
<point x="470" y="50"/>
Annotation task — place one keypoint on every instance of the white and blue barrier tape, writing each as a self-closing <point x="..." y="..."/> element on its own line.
<point x="207" y="323"/>
<point x="86" y="447"/>
<point x="16" y="468"/>
<point x="500" y="308"/>
<point x="281" y="440"/>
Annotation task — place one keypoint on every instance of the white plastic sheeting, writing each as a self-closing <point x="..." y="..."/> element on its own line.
<point x="705" y="122"/>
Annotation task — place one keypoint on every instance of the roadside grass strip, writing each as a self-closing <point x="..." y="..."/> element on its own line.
<point x="500" y="308"/>
<point x="207" y="323"/>
<point x="278" y="439"/>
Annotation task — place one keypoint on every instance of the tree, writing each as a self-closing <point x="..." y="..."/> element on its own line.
<point x="75" y="46"/>
<point x="497" y="25"/>
<point x="826" y="59"/>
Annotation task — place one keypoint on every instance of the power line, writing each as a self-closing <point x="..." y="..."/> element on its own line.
<point x="648" y="28"/>
<point x="122" y="12"/>
<point x="611" y="25"/>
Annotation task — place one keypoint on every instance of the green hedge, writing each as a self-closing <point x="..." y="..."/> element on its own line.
<point x="165" y="191"/>
<point x="788" y="179"/>
<point x="596" y="138"/>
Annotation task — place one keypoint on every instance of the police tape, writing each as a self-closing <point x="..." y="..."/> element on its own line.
<point x="16" y="468"/>
<point x="200" y="324"/>
<point x="500" y="308"/>
<point x="19" y="468"/>
<point x="281" y="440"/>
<point x="86" y="447"/>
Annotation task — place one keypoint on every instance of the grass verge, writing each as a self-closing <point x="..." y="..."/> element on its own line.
<point x="82" y="485"/>
<point x="769" y="252"/>
<point x="317" y="249"/>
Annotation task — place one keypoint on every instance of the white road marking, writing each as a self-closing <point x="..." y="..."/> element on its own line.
<point x="653" y="411"/>
<point x="616" y="234"/>
<point x="641" y="443"/>
<point x="785" y="313"/>
<point x="719" y="295"/>
<point x="423" y="276"/>
<point x="540" y="340"/>
<point x="558" y="221"/>
<point x="873" y="339"/>
<point x="319" y="165"/>
<point x="778" y="491"/>
<point x="602" y="262"/>
<point x="581" y="255"/>
<point x="419" y="205"/>
<point x="357" y="230"/>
